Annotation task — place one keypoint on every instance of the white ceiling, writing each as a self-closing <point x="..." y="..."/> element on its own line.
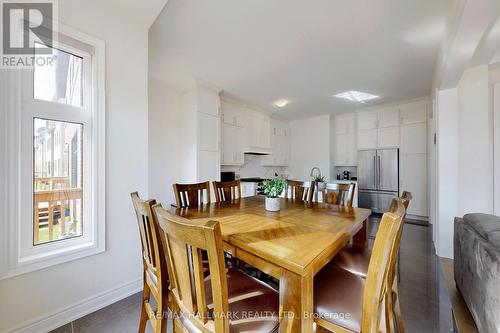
<point x="143" y="12"/>
<point x="304" y="51"/>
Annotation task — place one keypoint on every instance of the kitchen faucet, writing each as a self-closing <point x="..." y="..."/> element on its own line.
<point x="315" y="169"/>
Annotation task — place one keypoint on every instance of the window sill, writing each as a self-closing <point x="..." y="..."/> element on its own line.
<point x="48" y="259"/>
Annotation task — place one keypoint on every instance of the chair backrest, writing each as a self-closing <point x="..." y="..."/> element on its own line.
<point x="379" y="267"/>
<point x="152" y="245"/>
<point x="227" y="191"/>
<point x="300" y="190"/>
<point x="192" y="195"/>
<point x="406" y="198"/>
<point x="185" y="241"/>
<point x="339" y="194"/>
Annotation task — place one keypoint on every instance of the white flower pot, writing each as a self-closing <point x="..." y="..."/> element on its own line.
<point x="273" y="204"/>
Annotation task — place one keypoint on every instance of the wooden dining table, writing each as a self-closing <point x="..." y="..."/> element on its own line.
<point x="291" y="245"/>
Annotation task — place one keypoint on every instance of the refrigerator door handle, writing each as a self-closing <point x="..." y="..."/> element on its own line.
<point x="378" y="156"/>
<point x="374" y="170"/>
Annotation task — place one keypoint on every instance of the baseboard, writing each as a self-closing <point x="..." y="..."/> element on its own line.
<point x="79" y="309"/>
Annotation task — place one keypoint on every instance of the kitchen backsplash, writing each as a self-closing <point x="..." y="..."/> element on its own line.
<point x="252" y="168"/>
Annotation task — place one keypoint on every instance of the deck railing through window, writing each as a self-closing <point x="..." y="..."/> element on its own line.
<point x="57" y="210"/>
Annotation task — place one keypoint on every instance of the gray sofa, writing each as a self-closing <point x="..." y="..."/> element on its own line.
<point x="477" y="268"/>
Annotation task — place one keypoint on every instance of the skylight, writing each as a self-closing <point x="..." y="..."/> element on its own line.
<point x="356" y="96"/>
<point x="281" y="103"/>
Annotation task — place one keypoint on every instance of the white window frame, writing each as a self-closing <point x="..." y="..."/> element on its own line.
<point x="18" y="254"/>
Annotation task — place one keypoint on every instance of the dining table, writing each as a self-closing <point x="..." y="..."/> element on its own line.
<point x="291" y="245"/>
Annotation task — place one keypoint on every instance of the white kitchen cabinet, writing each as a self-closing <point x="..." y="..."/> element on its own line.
<point x="388" y="117"/>
<point x="280" y="145"/>
<point x="368" y="139"/>
<point x="345" y="140"/>
<point x="378" y="128"/>
<point x="208" y="132"/>
<point x="367" y="120"/>
<point x="258" y="131"/>
<point x="233" y="115"/>
<point x="413" y="113"/>
<point x="414" y="138"/>
<point x="413" y="178"/>
<point x="201" y="161"/>
<point x="232" y="147"/>
<point x="388" y="137"/>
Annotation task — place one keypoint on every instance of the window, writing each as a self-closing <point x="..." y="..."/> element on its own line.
<point x="57" y="196"/>
<point x="54" y="161"/>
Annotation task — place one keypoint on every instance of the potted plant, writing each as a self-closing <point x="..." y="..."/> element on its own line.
<point x="320" y="182"/>
<point x="273" y="189"/>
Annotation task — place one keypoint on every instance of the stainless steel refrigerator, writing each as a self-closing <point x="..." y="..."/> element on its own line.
<point x="378" y="178"/>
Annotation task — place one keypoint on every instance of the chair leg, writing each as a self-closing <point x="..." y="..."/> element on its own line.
<point x="144" y="314"/>
<point x="162" y="321"/>
<point x="397" y="313"/>
<point x="389" y="314"/>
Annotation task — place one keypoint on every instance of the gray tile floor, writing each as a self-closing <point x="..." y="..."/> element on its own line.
<point x="425" y="303"/>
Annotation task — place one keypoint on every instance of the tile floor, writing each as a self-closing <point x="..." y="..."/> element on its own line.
<point x="425" y="302"/>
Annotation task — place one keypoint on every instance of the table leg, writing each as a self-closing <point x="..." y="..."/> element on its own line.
<point x="296" y="303"/>
<point x="361" y="238"/>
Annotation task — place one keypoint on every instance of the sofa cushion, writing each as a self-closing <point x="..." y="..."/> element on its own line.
<point x="488" y="226"/>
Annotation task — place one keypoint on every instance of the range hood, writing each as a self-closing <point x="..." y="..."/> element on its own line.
<point x="257" y="151"/>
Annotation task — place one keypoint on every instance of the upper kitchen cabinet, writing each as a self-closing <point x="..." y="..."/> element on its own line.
<point x="345" y="140"/>
<point x="367" y="120"/>
<point x="201" y="119"/>
<point x="378" y="128"/>
<point x="258" y="132"/>
<point x="280" y="145"/>
<point x="233" y="114"/>
<point x="232" y="145"/>
<point x="414" y="128"/>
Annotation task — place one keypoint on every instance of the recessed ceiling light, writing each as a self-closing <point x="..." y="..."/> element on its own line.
<point x="281" y="103"/>
<point x="356" y="96"/>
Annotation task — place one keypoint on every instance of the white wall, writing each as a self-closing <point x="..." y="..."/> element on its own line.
<point x="447" y="173"/>
<point x="465" y="153"/>
<point x="164" y="116"/>
<point x="59" y="293"/>
<point x="310" y="142"/>
<point x="475" y="170"/>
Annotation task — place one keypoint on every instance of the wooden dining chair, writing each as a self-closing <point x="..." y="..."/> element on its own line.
<point x="338" y="292"/>
<point x="299" y="190"/>
<point x="227" y="191"/>
<point x="155" y="273"/>
<point x="339" y="194"/>
<point x="221" y="302"/>
<point x="192" y="195"/>
<point x="355" y="260"/>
